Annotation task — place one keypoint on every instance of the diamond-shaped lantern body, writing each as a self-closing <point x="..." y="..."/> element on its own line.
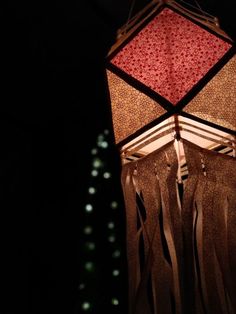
<point x="171" y="63"/>
<point x="171" y="77"/>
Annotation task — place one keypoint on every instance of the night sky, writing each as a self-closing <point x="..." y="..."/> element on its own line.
<point x="54" y="104"/>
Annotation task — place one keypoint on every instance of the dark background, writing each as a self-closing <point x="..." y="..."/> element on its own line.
<point x="54" y="103"/>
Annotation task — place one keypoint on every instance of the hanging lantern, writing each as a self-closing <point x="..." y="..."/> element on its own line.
<point x="171" y="77"/>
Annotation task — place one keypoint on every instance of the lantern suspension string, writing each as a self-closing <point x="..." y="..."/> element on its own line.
<point x="130" y="12"/>
<point x="198" y="7"/>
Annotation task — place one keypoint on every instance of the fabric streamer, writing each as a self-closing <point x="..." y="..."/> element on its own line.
<point x="181" y="254"/>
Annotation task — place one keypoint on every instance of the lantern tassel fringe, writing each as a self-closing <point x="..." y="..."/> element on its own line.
<point x="181" y="239"/>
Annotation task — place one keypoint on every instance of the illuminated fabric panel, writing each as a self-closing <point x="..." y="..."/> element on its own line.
<point x="216" y="101"/>
<point x="131" y="109"/>
<point x="170" y="55"/>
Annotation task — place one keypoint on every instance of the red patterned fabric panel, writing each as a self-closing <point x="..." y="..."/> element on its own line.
<point x="170" y="55"/>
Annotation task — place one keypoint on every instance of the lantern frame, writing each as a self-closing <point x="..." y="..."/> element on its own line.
<point x="127" y="33"/>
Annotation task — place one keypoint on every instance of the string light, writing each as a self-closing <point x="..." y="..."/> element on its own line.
<point x="114" y="204"/>
<point x="98" y="172"/>
<point x="111" y="225"/>
<point x="88" y="230"/>
<point x="116" y="254"/>
<point x="81" y="286"/>
<point x="88" y="208"/>
<point x="92" y="190"/>
<point x="94" y="173"/>
<point x="97" y="163"/>
<point x="89" y="266"/>
<point x="94" y="151"/>
<point x="115" y="272"/>
<point x="86" y="306"/>
<point x="114" y="301"/>
<point x="106" y="175"/>
<point x="104" y="144"/>
<point x="111" y="238"/>
<point x="90" y="246"/>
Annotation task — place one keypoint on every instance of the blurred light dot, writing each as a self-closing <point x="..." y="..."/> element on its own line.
<point x="106" y="175"/>
<point x="106" y="131"/>
<point x="94" y="151"/>
<point x="116" y="253"/>
<point x="88" y="230"/>
<point x="94" y="173"/>
<point x="111" y="238"/>
<point x="97" y="163"/>
<point x="100" y="137"/>
<point x="89" y="266"/>
<point x="92" y="190"/>
<point x="111" y="225"/>
<point x="103" y="144"/>
<point x="88" y="208"/>
<point x="86" y="306"/>
<point x="115" y="272"/>
<point x="114" y="204"/>
<point x="81" y="286"/>
<point x="90" y="246"/>
<point x="114" y="301"/>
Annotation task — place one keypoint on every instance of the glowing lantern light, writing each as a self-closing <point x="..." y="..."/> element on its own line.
<point x="171" y="77"/>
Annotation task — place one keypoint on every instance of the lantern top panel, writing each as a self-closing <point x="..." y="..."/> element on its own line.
<point x="170" y="55"/>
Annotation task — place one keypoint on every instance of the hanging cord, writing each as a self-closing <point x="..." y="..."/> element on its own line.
<point x="199" y="8"/>
<point x="204" y="13"/>
<point x="197" y="13"/>
<point x="130" y="12"/>
<point x="208" y="17"/>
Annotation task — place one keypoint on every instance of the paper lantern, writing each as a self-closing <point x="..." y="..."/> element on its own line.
<point x="171" y="77"/>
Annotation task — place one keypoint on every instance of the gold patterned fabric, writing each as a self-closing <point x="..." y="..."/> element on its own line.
<point x="216" y="101"/>
<point x="131" y="109"/>
<point x="181" y="247"/>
